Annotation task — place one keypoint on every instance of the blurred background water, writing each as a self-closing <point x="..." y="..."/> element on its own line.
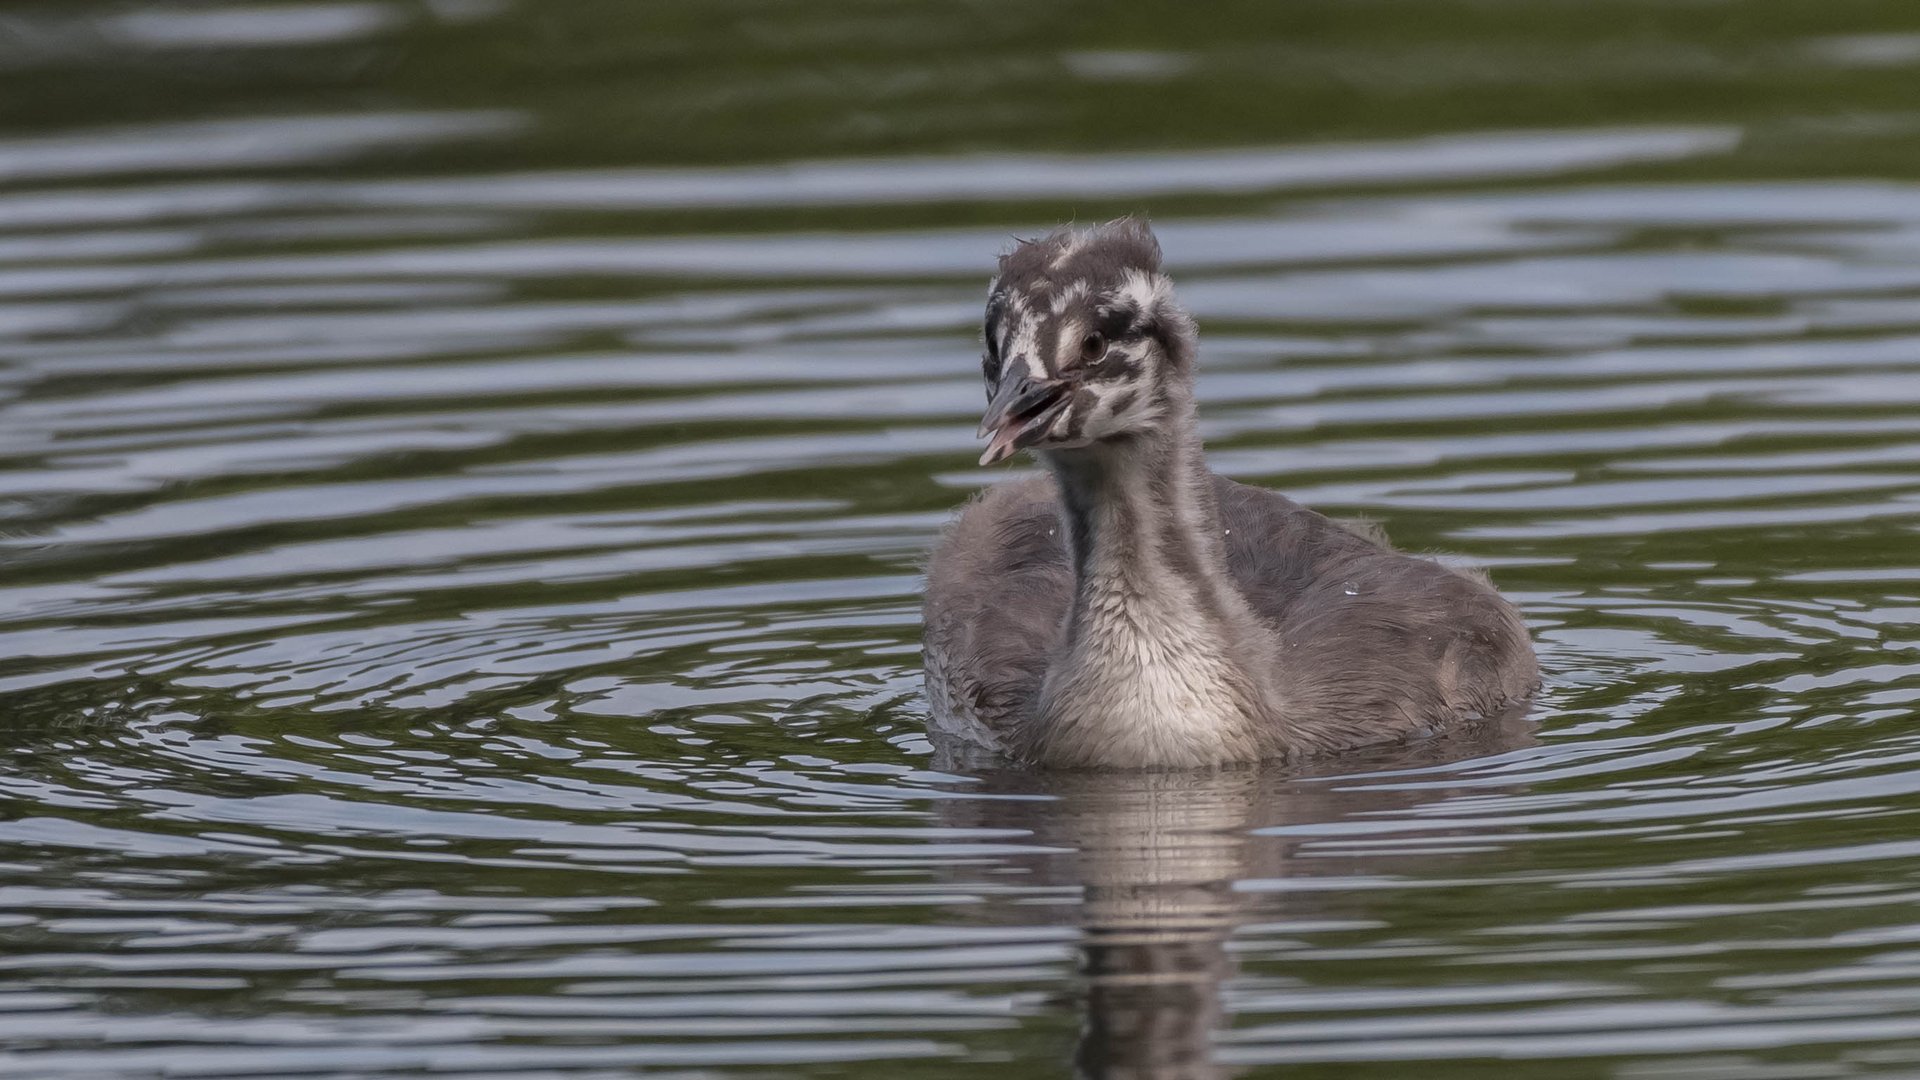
<point x="463" y="466"/>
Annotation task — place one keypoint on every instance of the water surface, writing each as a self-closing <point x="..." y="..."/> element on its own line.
<point x="464" y="466"/>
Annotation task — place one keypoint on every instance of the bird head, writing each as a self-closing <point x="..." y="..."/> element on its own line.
<point x="1084" y="342"/>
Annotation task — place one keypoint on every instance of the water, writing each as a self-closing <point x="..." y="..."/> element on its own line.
<point x="463" y="467"/>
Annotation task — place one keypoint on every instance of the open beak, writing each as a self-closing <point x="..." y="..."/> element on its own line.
<point x="1018" y="416"/>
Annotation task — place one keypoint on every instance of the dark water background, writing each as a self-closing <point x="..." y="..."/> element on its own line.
<point x="463" y="465"/>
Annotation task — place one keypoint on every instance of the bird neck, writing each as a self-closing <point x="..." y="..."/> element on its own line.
<point x="1141" y="513"/>
<point x="1152" y="672"/>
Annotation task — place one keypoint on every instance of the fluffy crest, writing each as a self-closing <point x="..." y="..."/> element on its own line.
<point x="1103" y="253"/>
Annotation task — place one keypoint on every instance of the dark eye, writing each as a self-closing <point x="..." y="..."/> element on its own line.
<point x="1092" y="347"/>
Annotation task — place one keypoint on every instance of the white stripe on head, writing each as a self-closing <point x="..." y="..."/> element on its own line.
<point x="1066" y="345"/>
<point x="1076" y="291"/>
<point x="1133" y="352"/>
<point x="1146" y="291"/>
<point x="1023" y="338"/>
<point x="1059" y="426"/>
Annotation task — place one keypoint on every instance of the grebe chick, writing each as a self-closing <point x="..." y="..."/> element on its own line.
<point x="1130" y="609"/>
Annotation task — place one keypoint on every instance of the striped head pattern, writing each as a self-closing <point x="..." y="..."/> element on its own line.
<point x="1084" y="341"/>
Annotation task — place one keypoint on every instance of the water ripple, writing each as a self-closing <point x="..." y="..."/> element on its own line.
<point x="461" y="596"/>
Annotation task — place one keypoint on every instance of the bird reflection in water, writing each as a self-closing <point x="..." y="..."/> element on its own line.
<point x="1157" y="858"/>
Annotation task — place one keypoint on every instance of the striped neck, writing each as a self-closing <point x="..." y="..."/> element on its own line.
<point x="1142" y="512"/>
<point x="1152" y="671"/>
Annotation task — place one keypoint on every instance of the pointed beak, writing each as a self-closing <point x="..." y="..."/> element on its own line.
<point x="1019" y="414"/>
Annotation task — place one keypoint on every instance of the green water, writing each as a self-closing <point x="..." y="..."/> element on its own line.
<point x="464" y="466"/>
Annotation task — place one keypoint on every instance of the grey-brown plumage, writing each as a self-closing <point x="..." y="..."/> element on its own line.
<point x="1131" y="609"/>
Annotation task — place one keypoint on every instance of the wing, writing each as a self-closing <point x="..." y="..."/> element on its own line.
<point x="1371" y="644"/>
<point x="998" y="586"/>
